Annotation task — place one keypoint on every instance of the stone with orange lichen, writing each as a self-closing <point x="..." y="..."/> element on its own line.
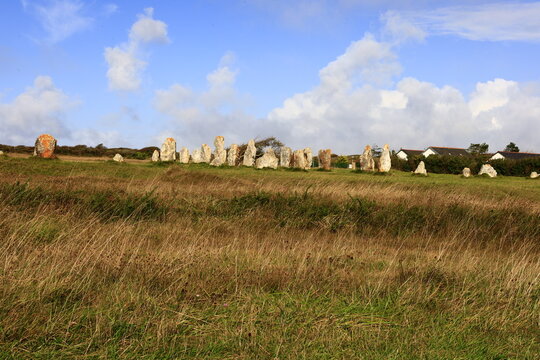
<point x="168" y="150"/>
<point x="45" y="146"/>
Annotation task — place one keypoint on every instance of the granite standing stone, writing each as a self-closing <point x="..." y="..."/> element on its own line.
<point x="249" y="154"/>
<point x="308" y="154"/>
<point x="366" y="160"/>
<point x="196" y="156"/>
<point x="168" y="150"/>
<point x="466" y="172"/>
<point x="489" y="170"/>
<point x="155" y="156"/>
<point x="45" y="146"/>
<point x="220" y="154"/>
<point x="285" y="156"/>
<point x="232" y="155"/>
<point x="421" y="169"/>
<point x="118" y="158"/>
<point x="534" y="175"/>
<point x="299" y="159"/>
<point x="183" y="157"/>
<point x="325" y="159"/>
<point x="268" y="160"/>
<point x="206" y="152"/>
<point x="385" y="161"/>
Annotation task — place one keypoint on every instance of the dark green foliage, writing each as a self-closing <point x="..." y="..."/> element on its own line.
<point x="478" y="148"/>
<point x="111" y="206"/>
<point x="341" y="162"/>
<point x="522" y="167"/>
<point x="511" y="147"/>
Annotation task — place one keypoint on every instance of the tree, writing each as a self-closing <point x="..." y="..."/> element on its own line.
<point x="478" y="148"/>
<point x="341" y="162"/>
<point x="511" y="147"/>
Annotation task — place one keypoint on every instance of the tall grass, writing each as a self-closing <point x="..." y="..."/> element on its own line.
<point x="238" y="264"/>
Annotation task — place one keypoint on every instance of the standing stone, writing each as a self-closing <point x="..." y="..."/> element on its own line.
<point x="183" y="157"/>
<point x="299" y="159"/>
<point x="232" y="155"/>
<point x="421" y="169"/>
<point x="118" y="158"/>
<point x="308" y="154"/>
<point x="206" y="152"/>
<point x="385" y="161"/>
<point x="353" y="165"/>
<point x="366" y="160"/>
<point x="466" y="172"/>
<point x="45" y="146"/>
<point x="285" y="156"/>
<point x="249" y="154"/>
<point x="197" y="156"/>
<point x="220" y="154"/>
<point x="489" y="170"/>
<point x="1" y="153"/>
<point x="168" y="150"/>
<point x="155" y="156"/>
<point x="534" y="175"/>
<point x="268" y="160"/>
<point x="325" y="158"/>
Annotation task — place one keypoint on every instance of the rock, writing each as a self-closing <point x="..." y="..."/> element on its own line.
<point x="197" y="156"/>
<point x="232" y="155"/>
<point x="206" y="152"/>
<point x="534" y="175"/>
<point x="325" y="158"/>
<point x="249" y="154"/>
<point x="466" y="172"/>
<point x="1" y="153"/>
<point x="385" y="161"/>
<point x="285" y="156"/>
<point x="168" y="150"/>
<point x="421" y="169"/>
<point x="155" y="156"/>
<point x="299" y="159"/>
<point x="489" y="170"/>
<point x="220" y="154"/>
<point x="45" y="146"/>
<point x="352" y="165"/>
<point x="366" y="160"/>
<point x="183" y="156"/>
<point x="308" y="154"/>
<point x="268" y="160"/>
<point x="118" y="158"/>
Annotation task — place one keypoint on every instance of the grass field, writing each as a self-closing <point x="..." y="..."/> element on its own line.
<point x="153" y="261"/>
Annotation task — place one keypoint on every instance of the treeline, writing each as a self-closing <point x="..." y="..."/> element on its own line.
<point x="441" y="164"/>
<point x="84" y="150"/>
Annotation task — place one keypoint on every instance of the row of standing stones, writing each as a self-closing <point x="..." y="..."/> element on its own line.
<point x="302" y="159"/>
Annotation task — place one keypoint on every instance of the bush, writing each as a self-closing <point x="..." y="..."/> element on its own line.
<point x="522" y="167"/>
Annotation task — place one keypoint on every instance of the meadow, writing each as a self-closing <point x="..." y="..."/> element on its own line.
<point x="104" y="260"/>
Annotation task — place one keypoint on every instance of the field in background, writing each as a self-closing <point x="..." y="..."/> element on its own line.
<point x="155" y="261"/>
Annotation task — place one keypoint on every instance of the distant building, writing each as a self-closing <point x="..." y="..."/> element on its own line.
<point x="448" y="151"/>
<point x="512" y="155"/>
<point x="406" y="153"/>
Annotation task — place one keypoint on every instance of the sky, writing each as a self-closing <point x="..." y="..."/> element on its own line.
<point x="322" y="74"/>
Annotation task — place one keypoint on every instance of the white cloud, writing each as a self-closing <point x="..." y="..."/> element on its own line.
<point x="40" y="109"/>
<point x="125" y="65"/>
<point x="512" y="21"/>
<point x="148" y="30"/>
<point x="197" y="117"/>
<point x="344" y="114"/>
<point x="399" y="29"/>
<point x="59" y="18"/>
<point x="110" y="9"/>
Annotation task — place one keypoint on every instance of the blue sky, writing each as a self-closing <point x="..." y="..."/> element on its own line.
<point x="326" y="74"/>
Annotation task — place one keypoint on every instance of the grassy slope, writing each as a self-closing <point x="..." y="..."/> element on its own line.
<point x="106" y="260"/>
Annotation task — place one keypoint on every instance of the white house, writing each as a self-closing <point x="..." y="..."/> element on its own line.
<point x="406" y="153"/>
<point x="503" y="155"/>
<point x="448" y="151"/>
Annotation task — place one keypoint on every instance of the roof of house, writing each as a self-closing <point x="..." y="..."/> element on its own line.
<point x="410" y="152"/>
<point x="440" y="150"/>
<point x="517" y="155"/>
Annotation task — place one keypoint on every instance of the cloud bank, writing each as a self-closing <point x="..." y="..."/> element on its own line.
<point x="39" y="109"/>
<point x="125" y="65"/>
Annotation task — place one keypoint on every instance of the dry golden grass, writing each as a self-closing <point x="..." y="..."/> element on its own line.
<point x="245" y="264"/>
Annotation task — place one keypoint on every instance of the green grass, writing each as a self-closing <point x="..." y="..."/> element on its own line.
<point x="167" y="261"/>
